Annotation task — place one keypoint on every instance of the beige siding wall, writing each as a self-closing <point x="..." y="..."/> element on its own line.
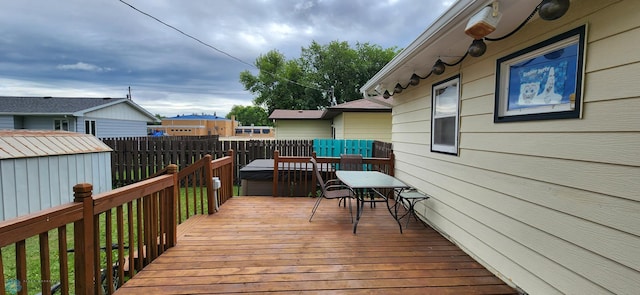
<point x="376" y="126"/>
<point x="303" y="129"/>
<point x="338" y="126"/>
<point x="551" y="206"/>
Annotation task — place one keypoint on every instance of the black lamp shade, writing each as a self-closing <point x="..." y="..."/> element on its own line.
<point x="553" y="9"/>
<point x="477" y="48"/>
<point x="397" y="89"/>
<point x="386" y="94"/>
<point x="414" y="80"/>
<point x="438" y="67"/>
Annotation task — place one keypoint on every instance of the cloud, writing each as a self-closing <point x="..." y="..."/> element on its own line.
<point x="80" y="66"/>
<point x="100" y="48"/>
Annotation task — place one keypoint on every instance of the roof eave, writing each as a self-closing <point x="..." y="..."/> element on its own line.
<point x="460" y="10"/>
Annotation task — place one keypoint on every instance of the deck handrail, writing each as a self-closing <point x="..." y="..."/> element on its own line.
<point x="146" y="218"/>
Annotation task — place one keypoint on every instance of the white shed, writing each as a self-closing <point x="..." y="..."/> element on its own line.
<point x="38" y="169"/>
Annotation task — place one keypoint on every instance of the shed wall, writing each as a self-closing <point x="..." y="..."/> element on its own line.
<point x="28" y="185"/>
<point x="551" y="206"/>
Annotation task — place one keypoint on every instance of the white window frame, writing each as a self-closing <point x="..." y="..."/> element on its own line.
<point x="59" y="124"/>
<point x="437" y="90"/>
<point x="93" y="129"/>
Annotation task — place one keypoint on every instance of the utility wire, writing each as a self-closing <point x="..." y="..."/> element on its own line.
<point x="214" y="48"/>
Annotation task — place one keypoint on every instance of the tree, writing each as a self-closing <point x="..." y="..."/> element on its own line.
<point x="280" y="84"/>
<point x="248" y="115"/>
<point x="304" y="83"/>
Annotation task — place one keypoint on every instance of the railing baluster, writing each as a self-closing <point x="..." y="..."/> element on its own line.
<point x="21" y="266"/>
<point x="45" y="267"/>
<point x="63" y="260"/>
<point x="2" y="288"/>
<point x="108" y="251"/>
<point x="141" y="247"/>
<point x="120" y="230"/>
<point x="132" y="245"/>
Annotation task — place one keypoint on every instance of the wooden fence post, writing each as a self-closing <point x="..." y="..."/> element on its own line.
<point x="83" y="241"/>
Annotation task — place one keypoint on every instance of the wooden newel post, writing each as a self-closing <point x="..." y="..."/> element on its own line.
<point x="172" y="196"/>
<point x="83" y="241"/>
<point x="276" y="155"/>
<point x="208" y="179"/>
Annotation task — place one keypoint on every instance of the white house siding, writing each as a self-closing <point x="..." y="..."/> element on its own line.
<point x="375" y="126"/>
<point x="28" y="185"/>
<point x="47" y="122"/>
<point x="6" y="122"/>
<point x="120" y="111"/>
<point x="115" y="128"/>
<point x="303" y="129"/>
<point x="551" y="206"/>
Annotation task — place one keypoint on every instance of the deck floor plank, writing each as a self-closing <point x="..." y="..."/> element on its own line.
<point x="260" y="245"/>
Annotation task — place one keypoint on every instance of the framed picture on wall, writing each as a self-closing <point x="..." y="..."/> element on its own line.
<point x="543" y="81"/>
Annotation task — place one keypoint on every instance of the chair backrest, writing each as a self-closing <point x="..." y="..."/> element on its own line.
<point x="318" y="174"/>
<point x="351" y="162"/>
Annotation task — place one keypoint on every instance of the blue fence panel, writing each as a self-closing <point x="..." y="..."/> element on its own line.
<point x="336" y="147"/>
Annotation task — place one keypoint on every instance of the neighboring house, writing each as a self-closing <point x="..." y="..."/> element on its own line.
<point x="300" y="124"/>
<point x="545" y="194"/>
<point x="358" y="119"/>
<point x="102" y="117"/>
<point x="38" y="169"/>
<point x="197" y="125"/>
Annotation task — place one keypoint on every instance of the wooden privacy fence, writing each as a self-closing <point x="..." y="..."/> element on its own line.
<point x="114" y="234"/>
<point x="293" y="176"/>
<point x="137" y="158"/>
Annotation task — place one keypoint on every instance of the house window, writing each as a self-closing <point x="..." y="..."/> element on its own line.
<point x="445" y="116"/>
<point x="90" y="127"/>
<point x="61" y="124"/>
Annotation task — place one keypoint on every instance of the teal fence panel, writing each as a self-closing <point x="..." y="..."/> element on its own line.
<point x="336" y="147"/>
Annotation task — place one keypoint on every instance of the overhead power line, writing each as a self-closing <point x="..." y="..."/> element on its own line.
<point x="215" y="48"/>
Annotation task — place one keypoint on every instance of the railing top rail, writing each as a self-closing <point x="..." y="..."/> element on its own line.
<point x="217" y="163"/>
<point x="21" y="228"/>
<point x="123" y="195"/>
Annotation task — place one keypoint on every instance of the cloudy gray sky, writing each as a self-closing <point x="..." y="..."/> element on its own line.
<point x="99" y="48"/>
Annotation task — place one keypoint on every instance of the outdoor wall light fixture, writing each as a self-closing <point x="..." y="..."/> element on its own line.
<point x="479" y="26"/>
<point x="553" y="9"/>
<point x="397" y="89"/>
<point x="477" y="48"/>
<point x="438" y="67"/>
<point x="386" y="94"/>
<point x="414" y="80"/>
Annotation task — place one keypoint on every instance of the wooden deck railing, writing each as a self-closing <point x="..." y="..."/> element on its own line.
<point x="293" y="176"/>
<point x="127" y="228"/>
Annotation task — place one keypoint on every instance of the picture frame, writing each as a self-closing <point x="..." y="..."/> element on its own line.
<point x="543" y="81"/>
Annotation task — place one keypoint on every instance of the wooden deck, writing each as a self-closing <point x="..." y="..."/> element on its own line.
<point x="260" y="245"/>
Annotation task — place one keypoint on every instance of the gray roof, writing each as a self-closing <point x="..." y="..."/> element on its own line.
<point x="52" y="105"/>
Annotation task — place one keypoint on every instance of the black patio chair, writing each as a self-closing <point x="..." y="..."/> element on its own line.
<point x="332" y="189"/>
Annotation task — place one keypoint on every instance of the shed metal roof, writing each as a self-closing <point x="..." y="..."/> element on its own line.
<point x="36" y="143"/>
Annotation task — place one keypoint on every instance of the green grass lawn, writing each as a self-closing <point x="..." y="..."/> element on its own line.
<point x="32" y="245"/>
